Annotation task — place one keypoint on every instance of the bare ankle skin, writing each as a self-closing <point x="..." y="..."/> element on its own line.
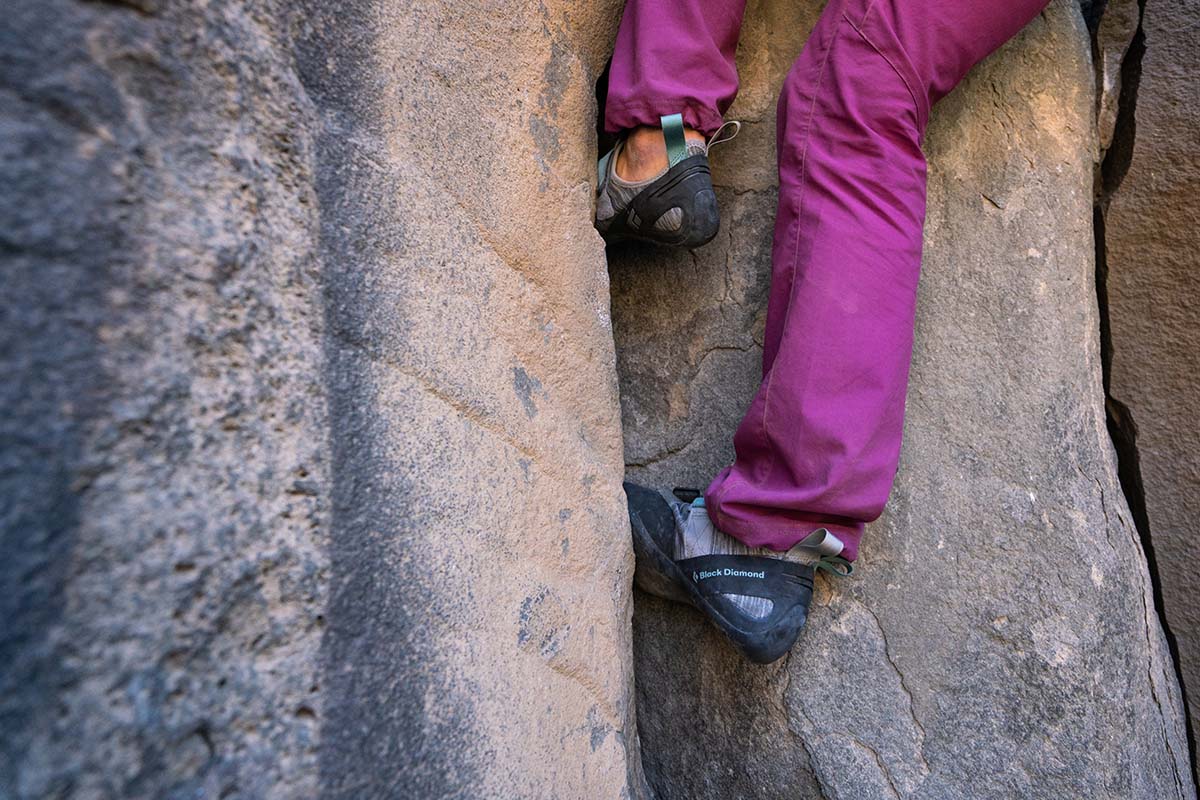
<point x="645" y="153"/>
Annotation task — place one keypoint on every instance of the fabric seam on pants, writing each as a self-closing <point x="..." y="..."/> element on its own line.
<point x="919" y="100"/>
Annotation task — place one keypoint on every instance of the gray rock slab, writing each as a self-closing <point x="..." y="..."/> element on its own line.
<point x="1152" y="242"/>
<point x="479" y="639"/>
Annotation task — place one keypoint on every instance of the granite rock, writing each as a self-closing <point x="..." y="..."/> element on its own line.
<point x="164" y="461"/>
<point x="310" y="463"/>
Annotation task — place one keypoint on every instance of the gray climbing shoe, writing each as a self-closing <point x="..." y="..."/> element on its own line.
<point x="760" y="602"/>
<point x="677" y="207"/>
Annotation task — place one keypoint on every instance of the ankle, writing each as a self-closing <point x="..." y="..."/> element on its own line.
<point x="644" y="154"/>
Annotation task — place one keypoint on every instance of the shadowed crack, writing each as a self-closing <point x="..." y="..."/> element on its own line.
<point x="718" y="349"/>
<point x="912" y="709"/>
<point x="661" y="455"/>
<point x="882" y="767"/>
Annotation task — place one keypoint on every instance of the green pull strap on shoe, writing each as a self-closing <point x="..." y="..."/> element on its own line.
<point x="835" y="565"/>
<point x="677" y="149"/>
<point x="676" y="141"/>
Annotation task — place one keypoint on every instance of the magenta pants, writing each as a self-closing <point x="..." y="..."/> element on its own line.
<point x="820" y="444"/>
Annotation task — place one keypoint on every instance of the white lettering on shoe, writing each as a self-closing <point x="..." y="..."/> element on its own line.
<point x="726" y="573"/>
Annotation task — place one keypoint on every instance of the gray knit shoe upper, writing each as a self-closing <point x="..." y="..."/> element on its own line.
<point x="616" y="193"/>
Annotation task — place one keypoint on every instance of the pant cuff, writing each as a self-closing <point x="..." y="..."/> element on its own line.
<point x="773" y="534"/>
<point x="620" y="116"/>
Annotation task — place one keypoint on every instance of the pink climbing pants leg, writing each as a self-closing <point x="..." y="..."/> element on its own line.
<point x="820" y="443"/>
<point x="674" y="57"/>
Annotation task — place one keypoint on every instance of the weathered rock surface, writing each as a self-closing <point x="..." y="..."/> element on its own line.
<point x="1001" y="639"/>
<point x="478" y="631"/>
<point x="311" y="459"/>
<point x="164" y="465"/>
<point x="1152" y="242"/>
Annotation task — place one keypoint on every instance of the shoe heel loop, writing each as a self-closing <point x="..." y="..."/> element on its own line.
<point x="720" y="137"/>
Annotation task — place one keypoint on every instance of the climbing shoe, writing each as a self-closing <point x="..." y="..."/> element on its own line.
<point x="760" y="602"/>
<point x="676" y="207"/>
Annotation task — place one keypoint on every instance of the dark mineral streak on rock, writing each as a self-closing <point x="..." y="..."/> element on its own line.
<point x="379" y="656"/>
<point x="159" y="337"/>
<point x="56" y="256"/>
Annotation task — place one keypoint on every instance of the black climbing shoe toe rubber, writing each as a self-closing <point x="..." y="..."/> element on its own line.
<point x="704" y="582"/>
<point x="687" y="186"/>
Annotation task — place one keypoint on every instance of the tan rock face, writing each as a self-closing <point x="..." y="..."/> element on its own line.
<point x="1152" y="238"/>
<point x="1000" y="640"/>
<point x="312" y="471"/>
<point x="479" y="635"/>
